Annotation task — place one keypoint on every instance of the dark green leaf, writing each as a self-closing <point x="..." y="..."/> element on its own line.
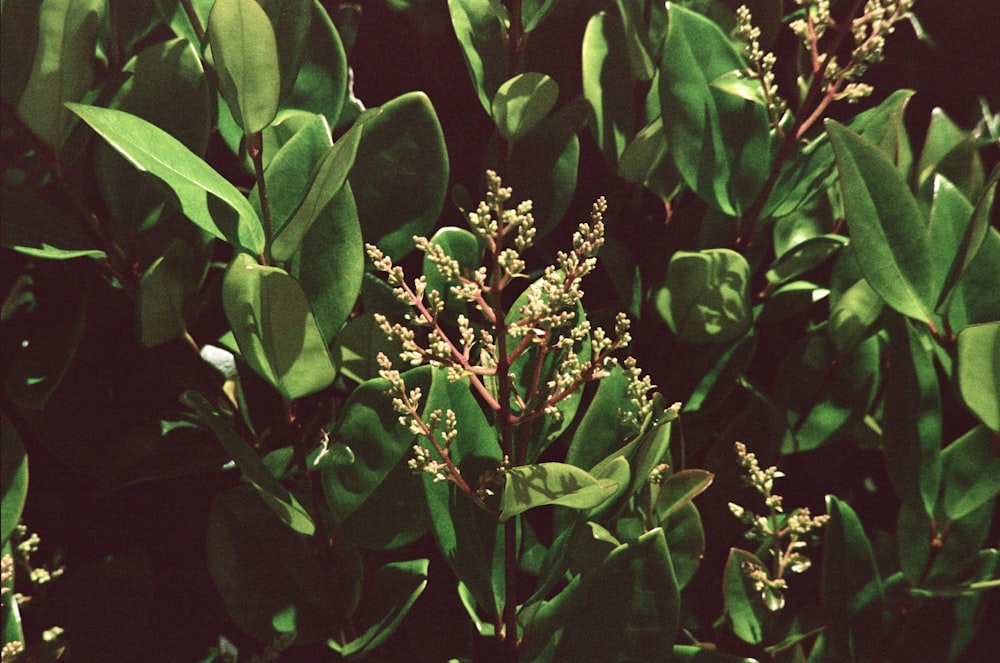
<point x="330" y="264"/>
<point x="35" y="228"/>
<point x="164" y="292"/>
<point x="979" y="371"/>
<point x="686" y="539"/>
<point x="853" y="315"/>
<point x="680" y="489"/>
<point x="13" y="479"/>
<point x="246" y="60"/>
<point x="607" y="86"/>
<point x="912" y="431"/>
<point x="276" y="496"/>
<point x="743" y="603"/>
<point x="706" y="654"/>
<point x="481" y="34"/>
<point x="400" y="174"/>
<point x="260" y="567"/>
<point x="601" y="430"/>
<point x="61" y="34"/>
<point x="706" y="297"/>
<point x="803" y="257"/>
<point x="645" y="27"/>
<point x="358" y="345"/>
<point x="942" y="136"/>
<point x="386" y="601"/>
<point x="275" y="328"/>
<point x="370" y="427"/>
<point x="291" y="21"/>
<point x="970" y="472"/>
<point x="321" y="84"/>
<point x="204" y="196"/>
<point x="394" y="515"/>
<point x="461" y="245"/>
<point x="522" y="102"/>
<point x="887" y="227"/>
<point x="975" y="232"/>
<point x="720" y="142"/>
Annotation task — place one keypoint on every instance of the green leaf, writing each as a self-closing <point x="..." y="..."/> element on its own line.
<point x="853" y="316"/>
<point x="164" y="293"/>
<point x="275" y="328"/>
<point x="370" y="427"/>
<point x="685" y="536"/>
<point x="61" y="36"/>
<point x="480" y="33"/>
<point x="530" y="486"/>
<point x="386" y="601"/>
<point x="322" y="80"/>
<point x="291" y="21"/>
<point x="358" y="345"/>
<point x="400" y="174"/>
<point x="888" y="234"/>
<point x="35" y="228"/>
<point x="976" y="300"/>
<point x="743" y="603"/>
<point x="644" y="162"/>
<point x="194" y="187"/>
<point x="607" y="86"/>
<point x="803" y="257"/>
<point x="942" y="136"/>
<point x="912" y="431"/>
<point x="601" y="430"/>
<point x="680" y="489"/>
<point x="970" y="472"/>
<point x="13" y="479"/>
<point x="706" y="298"/>
<point x="326" y="181"/>
<point x="851" y="585"/>
<point x="246" y="60"/>
<point x="706" y="654"/>
<point x="10" y="614"/>
<point x="331" y="262"/>
<point x="394" y="515"/>
<point x="461" y="245"/>
<point x="522" y="102"/>
<point x="975" y="232"/>
<point x="277" y="497"/>
<point x="720" y="142"/>
<point x="260" y="568"/>
<point x="979" y="371"/>
<point x="645" y="27"/>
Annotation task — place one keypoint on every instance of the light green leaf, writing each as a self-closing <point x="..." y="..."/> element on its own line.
<point x="277" y="497"/>
<point x="888" y="232"/>
<point x="13" y="479"/>
<point x="970" y="472"/>
<point x="246" y="60"/>
<point x="522" y="102"/>
<point x="193" y="187"/>
<point x="400" y="174"/>
<point x="530" y="486"/>
<point x="706" y="297"/>
<point x="461" y="245"/>
<point x="979" y="371"/>
<point x="326" y="181"/>
<point x="607" y="86"/>
<point x="275" y="328"/>
<point x="62" y="67"/>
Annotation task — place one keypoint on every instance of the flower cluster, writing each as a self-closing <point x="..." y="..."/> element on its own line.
<point x="484" y="347"/>
<point x="762" y="64"/>
<point x="785" y="535"/>
<point x="37" y="574"/>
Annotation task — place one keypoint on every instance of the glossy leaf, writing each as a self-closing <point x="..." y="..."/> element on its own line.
<point x="522" y="102"/>
<point x="970" y="472"/>
<point x="743" y="603"/>
<point x="853" y="316"/>
<point x="461" y="245"/>
<point x="13" y="479"/>
<point x="706" y="298"/>
<point x="61" y="35"/>
<point x="803" y="257"/>
<point x="260" y="568"/>
<point x="387" y="599"/>
<point x="607" y="85"/>
<point x="370" y="427"/>
<point x="887" y="230"/>
<point x="322" y="80"/>
<point x="400" y="174"/>
<point x="194" y="187"/>
<point x="912" y="431"/>
<point x="326" y="180"/>
<point x="330" y="263"/>
<point x="979" y="371"/>
<point x="480" y="33"/>
<point x="530" y="486"/>
<point x="275" y="328"/>
<point x="246" y="60"/>
<point x="680" y="489"/>
<point x="284" y="505"/>
<point x="719" y="141"/>
<point x="850" y="572"/>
